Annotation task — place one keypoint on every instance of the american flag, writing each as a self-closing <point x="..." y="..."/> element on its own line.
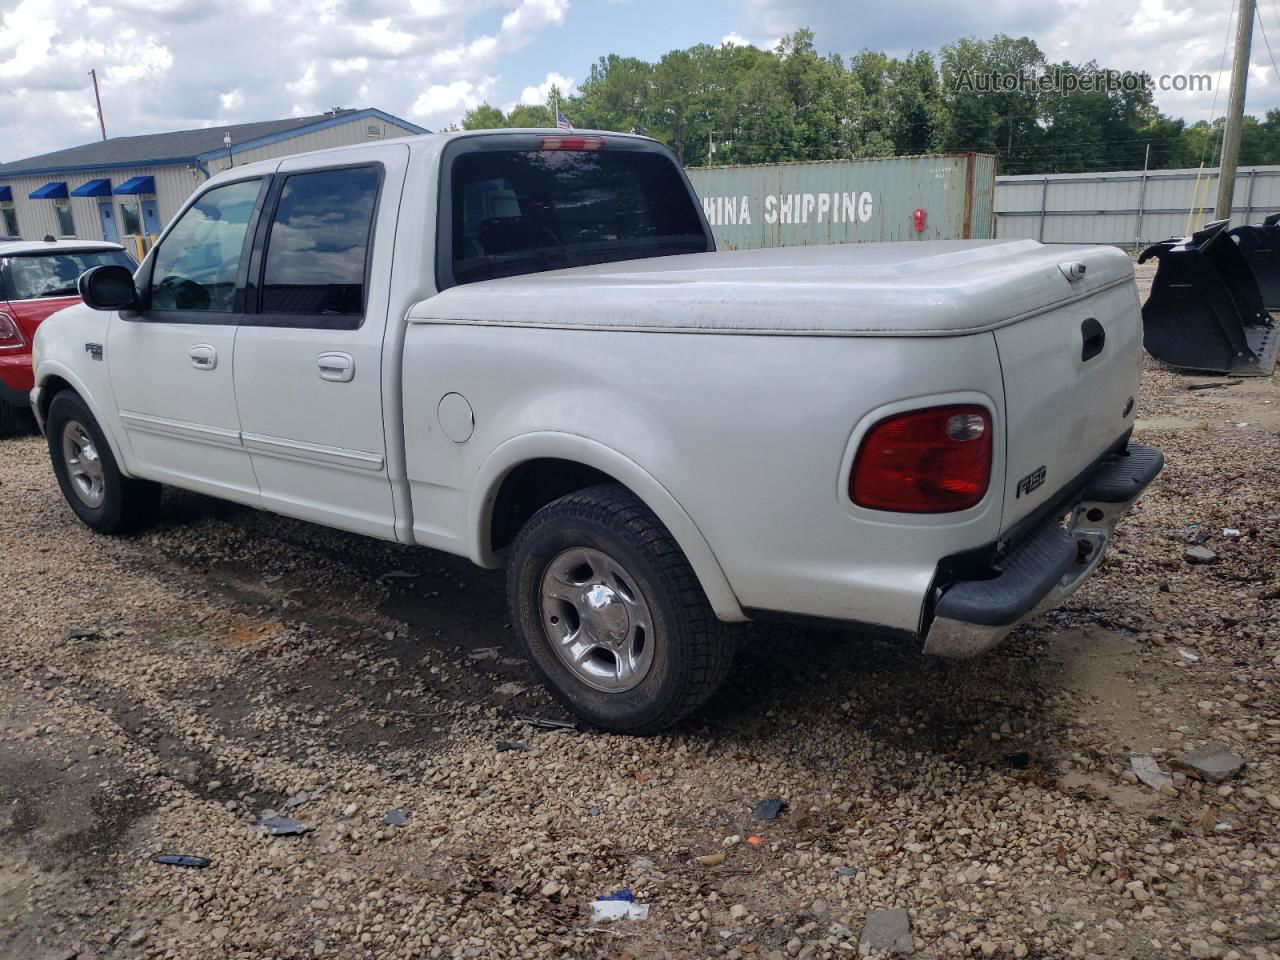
<point x="562" y="122"/>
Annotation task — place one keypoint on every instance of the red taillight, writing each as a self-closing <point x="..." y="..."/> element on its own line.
<point x="571" y="143"/>
<point x="10" y="335"/>
<point x="924" y="461"/>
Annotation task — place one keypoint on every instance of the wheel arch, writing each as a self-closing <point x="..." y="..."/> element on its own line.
<point x="55" y="379"/>
<point x="594" y="463"/>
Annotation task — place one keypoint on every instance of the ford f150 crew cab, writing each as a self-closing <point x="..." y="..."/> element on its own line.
<point x="522" y="347"/>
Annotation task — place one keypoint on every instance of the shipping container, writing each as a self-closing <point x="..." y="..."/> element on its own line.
<point x="940" y="197"/>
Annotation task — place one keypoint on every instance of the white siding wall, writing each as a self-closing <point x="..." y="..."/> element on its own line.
<point x="174" y="183"/>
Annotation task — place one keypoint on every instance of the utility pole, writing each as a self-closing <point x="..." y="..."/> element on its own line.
<point x="1235" y="113"/>
<point x="98" y="98"/>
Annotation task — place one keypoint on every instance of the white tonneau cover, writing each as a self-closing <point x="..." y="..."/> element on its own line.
<point x="928" y="288"/>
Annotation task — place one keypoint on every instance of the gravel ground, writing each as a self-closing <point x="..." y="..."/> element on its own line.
<point x="160" y="694"/>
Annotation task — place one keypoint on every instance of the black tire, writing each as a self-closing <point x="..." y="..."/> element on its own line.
<point x="692" y="650"/>
<point x="126" y="504"/>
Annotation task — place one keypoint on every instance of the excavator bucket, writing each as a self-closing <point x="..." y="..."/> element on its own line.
<point x="1206" y="311"/>
<point x="1261" y="248"/>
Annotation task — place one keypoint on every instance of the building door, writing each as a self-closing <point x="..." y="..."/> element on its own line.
<point x="108" y="218"/>
<point x="181" y="416"/>
<point x="309" y="368"/>
<point x="150" y="222"/>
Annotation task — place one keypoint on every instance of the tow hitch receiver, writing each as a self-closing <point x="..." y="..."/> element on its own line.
<point x="1206" y="311"/>
<point x="1261" y="248"/>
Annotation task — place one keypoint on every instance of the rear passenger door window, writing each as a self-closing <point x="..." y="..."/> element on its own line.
<point x="316" y="250"/>
<point x="198" y="263"/>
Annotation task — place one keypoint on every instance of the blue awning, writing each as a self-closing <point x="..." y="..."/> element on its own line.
<point x="6" y="194"/>
<point x="50" y="191"/>
<point x="94" y="188"/>
<point x="136" y="185"/>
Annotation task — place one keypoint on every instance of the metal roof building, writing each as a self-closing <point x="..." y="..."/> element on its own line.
<point x="125" y="189"/>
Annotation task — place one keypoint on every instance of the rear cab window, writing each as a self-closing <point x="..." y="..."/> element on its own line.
<point x="529" y="203"/>
<point x="34" y="276"/>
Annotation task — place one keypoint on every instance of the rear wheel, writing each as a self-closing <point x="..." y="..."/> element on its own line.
<point x="91" y="482"/>
<point x="611" y="614"/>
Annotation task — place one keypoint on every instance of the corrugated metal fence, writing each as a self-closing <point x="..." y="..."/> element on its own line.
<point x="1126" y="208"/>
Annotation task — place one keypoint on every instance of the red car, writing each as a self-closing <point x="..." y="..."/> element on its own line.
<point x="36" y="279"/>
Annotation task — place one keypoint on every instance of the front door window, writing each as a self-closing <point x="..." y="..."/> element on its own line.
<point x="196" y="266"/>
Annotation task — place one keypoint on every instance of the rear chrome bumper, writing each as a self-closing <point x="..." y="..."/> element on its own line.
<point x="1044" y="567"/>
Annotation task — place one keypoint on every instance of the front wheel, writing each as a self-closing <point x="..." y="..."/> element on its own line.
<point x="95" y="489"/>
<point x="611" y="614"/>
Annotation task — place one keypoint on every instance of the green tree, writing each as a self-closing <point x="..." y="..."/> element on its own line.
<point x="483" y="117"/>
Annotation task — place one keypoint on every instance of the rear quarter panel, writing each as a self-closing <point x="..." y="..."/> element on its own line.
<point x="751" y="435"/>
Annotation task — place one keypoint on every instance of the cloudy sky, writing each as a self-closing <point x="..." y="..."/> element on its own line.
<point x="174" y="64"/>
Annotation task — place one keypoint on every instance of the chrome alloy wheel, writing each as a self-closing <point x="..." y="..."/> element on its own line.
<point x="84" y="468"/>
<point x="597" y="620"/>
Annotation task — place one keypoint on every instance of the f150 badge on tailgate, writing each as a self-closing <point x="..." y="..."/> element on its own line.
<point x="1031" y="481"/>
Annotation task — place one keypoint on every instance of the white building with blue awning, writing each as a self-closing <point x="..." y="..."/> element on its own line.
<point x="126" y="188"/>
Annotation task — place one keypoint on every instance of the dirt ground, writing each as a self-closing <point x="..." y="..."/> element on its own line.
<point x="162" y="693"/>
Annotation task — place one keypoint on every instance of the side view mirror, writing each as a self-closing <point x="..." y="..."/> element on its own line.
<point x="108" y="287"/>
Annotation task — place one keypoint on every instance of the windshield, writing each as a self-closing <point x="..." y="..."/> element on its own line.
<point x="524" y="211"/>
<point x="32" y="276"/>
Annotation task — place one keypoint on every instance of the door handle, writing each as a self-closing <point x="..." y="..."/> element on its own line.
<point x="1094" y="337"/>
<point x="203" y="356"/>
<point x="336" y="367"/>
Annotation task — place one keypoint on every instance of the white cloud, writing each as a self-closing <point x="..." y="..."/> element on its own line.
<point x="174" y="64"/>
<point x="537" y="93"/>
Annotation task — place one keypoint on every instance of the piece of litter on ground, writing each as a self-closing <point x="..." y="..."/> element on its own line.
<point x="1199" y="555"/>
<point x="284" y="826"/>
<point x="297" y="800"/>
<point x="1212" y="762"/>
<point x="508" y="689"/>
<point x="711" y="859"/>
<point x="505" y="747"/>
<point x="887" y="931"/>
<point x="82" y="633"/>
<point x="1148" y="771"/>
<point x="1231" y="532"/>
<point x="1188" y="655"/>
<point x="182" y="860"/>
<point x="604" y="910"/>
<point x="485" y="653"/>
<point x="546" y="723"/>
<point x="768" y="809"/>
<point x="623" y="894"/>
<point x="396" y="818"/>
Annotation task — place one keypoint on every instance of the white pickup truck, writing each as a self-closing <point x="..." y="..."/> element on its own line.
<point x="522" y="347"/>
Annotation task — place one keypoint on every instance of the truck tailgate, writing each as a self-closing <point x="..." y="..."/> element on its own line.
<point x="1070" y="384"/>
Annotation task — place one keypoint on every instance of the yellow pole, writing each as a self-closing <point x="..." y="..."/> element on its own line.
<point x="1195" y="196"/>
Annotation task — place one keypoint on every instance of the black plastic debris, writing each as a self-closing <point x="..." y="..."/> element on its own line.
<point x="182" y="860"/>
<point x="396" y="818"/>
<point x="284" y="826"/>
<point x="546" y="723"/>
<point x="505" y="746"/>
<point x="769" y="809"/>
